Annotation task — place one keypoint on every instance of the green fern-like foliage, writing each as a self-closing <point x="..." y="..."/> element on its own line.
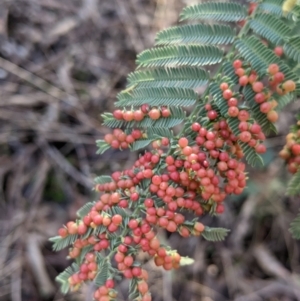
<point x="181" y="55"/>
<point x="197" y="34"/>
<point x="263" y="24"/>
<point x="215" y="234"/>
<point x="218" y="11"/>
<point x="295" y="227"/>
<point x="290" y="153"/>
<point x="174" y="76"/>
<point x="185" y="77"/>
<point x="292" y="48"/>
<point x="294" y="185"/>
<point x="64" y="276"/>
<point x="157" y="97"/>
<point x="168" y="74"/>
<point x="275" y="7"/>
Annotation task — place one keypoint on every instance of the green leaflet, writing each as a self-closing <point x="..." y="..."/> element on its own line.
<point x="146" y="122"/>
<point x="157" y="97"/>
<point x="215" y="234"/>
<point x="271" y="28"/>
<point x="183" y="55"/>
<point x="284" y="100"/>
<point x="229" y="72"/>
<point x="251" y="49"/>
<point x="186" y="261"/>
<point x="60" y="243"/>
<point x="65" y="275"/>
<point x="294" y="184"/>
<point x="140" y="144"/>
<point x="292" y="48"/>
<point x="196" y="34"/>
<point x="103" y="179"/>
<point x="295" y="227"/>
<point x="275" y="7"/>
<point x="102" y="146"/>
<point x="103" y="273"/>
<point x="250" y="154"/>
<point x="159" y="133"/>
<point x="133" y="291"/>
<point x="184" y="77"/>
<point x="84" y="210"/>
<point x="218" y="11"/>
<point x="272" y="6"/>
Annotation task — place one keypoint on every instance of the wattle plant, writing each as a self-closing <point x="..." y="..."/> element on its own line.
<point x="234" y="80"/>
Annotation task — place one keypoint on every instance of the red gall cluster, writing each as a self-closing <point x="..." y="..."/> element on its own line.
<point x="209" y="169"/>
<point x="250" y="131"/>
<point x="291" y="151"/>
<point x="175" y="198"/>
<point x="106" y="292"/>
<point x="168" y="261"/>
<point x="140" y="235"/>
<point x="162" y="185"/>
<point x="125" y="261"/>
<point x="196" y="178"/>
<point x="120" y="140"/>
<point x="212" y="166"/>
<point x="263" y="95"/>
<point x="139" y="114"/>
<point x="88" y="270"/>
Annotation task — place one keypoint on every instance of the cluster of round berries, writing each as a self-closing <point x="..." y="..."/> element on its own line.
<point x="139" y="114"/>
<point x="166" y="217"/>
<point x="211" y="168"/>
<point x="195" y="177"/>
<point x="88" y="271"/>
<point x="263" y="92"/>
<point x="119" y="139"/>
<point x="106" y="292"/>
<point x="291" y="151"/>
<point x="119" y="192"/>
<point x="169" y="194"/>
<point x="157" y="144"/>
<point x="169" y="260"/>
<point x="250" y="132"/>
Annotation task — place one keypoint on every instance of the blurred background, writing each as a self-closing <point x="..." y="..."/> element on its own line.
<point x="61" y="65"/>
